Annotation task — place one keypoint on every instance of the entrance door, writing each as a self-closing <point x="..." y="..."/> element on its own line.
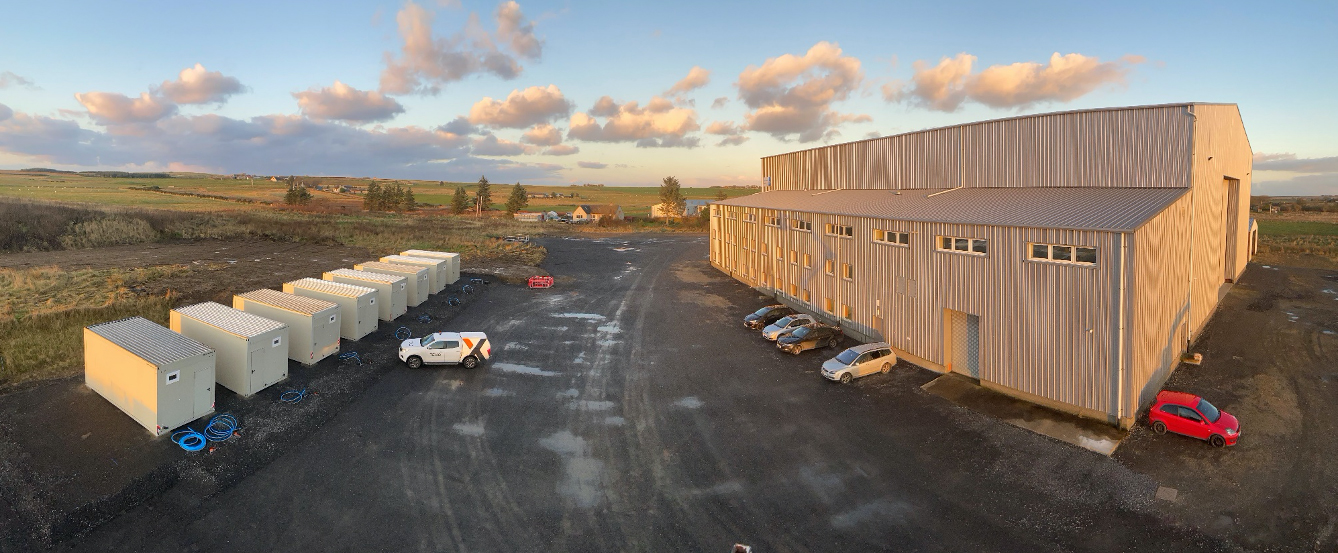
<point x="1231" y="225"/>
<point x="204" y="392"/>
<point x="961" y="342"/>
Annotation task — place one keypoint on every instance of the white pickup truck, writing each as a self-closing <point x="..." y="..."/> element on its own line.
<point x="446" y="348"/>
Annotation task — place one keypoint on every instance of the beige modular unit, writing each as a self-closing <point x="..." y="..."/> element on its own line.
<point x="391" y="290"/>
<point x="419" y="285"/>
<point x="252" y="350"/>
<point x="357" y="304"/>
<point x="437" y="269"/>
<point x="452" y="262"/>
<point x="162" y="379"/>
<point x="313" y="325"/>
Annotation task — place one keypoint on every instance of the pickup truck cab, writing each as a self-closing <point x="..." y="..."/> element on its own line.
<point x="786" y="325"/>
<point x="467" y="349"/>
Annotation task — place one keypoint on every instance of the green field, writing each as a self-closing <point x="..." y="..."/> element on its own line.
<point x="1283" y="227"/>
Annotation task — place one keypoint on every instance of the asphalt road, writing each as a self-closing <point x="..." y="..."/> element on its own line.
<point x="626" y="409"/>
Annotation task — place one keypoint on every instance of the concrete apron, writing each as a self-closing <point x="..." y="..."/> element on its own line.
<point x="1085" y="433"/>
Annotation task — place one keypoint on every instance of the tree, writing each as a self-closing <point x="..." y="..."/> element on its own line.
<point x="407" y="201"/>
<point x="517" y="200"/>
<point x="720" y="195"/>
<point x="297" y="194"/>
<point x="372" y="201"/>
<point x="392" y="197"/>
<point x="671" y="198"/>
<point x="460" y="202"/>
<point x="484" y="194"/>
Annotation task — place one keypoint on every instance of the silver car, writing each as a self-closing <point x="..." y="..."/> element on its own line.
<point x="786" y="325"/>
<point x="861" y="360"/>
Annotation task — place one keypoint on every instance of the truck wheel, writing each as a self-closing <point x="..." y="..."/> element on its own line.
<point x="415" y="362"/>
<point x="1217" y="440"/>
<point x="470" y="362"/>
<point x="1159" y="427"/>
<point x="846" y="378"/>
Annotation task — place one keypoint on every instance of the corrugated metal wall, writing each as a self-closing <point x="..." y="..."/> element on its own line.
<point x="899" y="293"/>
<point x="1137" y="147"/>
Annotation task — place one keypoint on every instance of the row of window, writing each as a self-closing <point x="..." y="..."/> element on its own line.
<point x="828" y="304"/>
<point x="1064" y="254"/>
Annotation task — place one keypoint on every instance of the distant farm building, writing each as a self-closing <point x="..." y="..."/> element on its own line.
<point x="691" y="208"/>
<point x="596" y="212"/>
<point x="529" y="216"/>
<point x="1069" y="259"/>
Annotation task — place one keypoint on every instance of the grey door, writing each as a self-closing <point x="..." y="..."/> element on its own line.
<point x="963" y="344"/>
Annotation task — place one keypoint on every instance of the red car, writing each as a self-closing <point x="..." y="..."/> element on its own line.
<point x="1191" y="415"/>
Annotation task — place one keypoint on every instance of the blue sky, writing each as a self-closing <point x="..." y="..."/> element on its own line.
<point x="851" y="73"/>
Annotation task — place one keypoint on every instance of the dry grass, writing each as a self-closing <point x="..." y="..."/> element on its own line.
<point x="50" y="345"/>
<point x="28" y="292"/>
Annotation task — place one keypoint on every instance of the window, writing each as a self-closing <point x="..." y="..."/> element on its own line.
<point x="808" y="261"/>
<point x="839" y="230"/>
<point x="1190" y="414"/>
<point x="750" y="217"/>
<point x="780" y="254"/>
<point x="892" y="237"/>
<point x="829" y="267"/>
<point x="805" y="295"/>
<point x="846" y="313"/>
<point x="733" y="215"/>
<point x="1078" y="255"/>
<point x="963" y="245"/>
<point x="847" y="272"/>
<point x="827" y="305"/>
<point x="779" y="285"/>
<point x="772" y="221"/>
<point x="794" y="290"/>
<point x="794" y="257"/>
<point x="798" y="224"/>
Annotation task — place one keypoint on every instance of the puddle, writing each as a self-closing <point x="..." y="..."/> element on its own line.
<point x="498" y="392"/>
<point x="690" y="402"/>
<point x="583" y="479"/>
<point x="588" y="405"/>
<point x="615" y="421"/>
<point x="522" y="369"/>
<point x="469" y="428"/>
<point x="583" y="316"/>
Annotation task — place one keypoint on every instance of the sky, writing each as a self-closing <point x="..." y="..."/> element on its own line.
<point x="628" y="93"/>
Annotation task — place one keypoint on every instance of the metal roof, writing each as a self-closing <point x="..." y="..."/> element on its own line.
<point x="430" y="253"/>
<point x="150" y="341"/>
<point x="411" y="269"/>
<point x="367" y="276"/>
<point x="290" y="302"/>
<point x="434" y="261"/>
<point x="1105" y="209"/>
<point x="331" y="287"/>
<point x="227" y="319"/>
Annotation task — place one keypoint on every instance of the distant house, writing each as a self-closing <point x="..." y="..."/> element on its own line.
<point x="596" y="212"/>
<point x="529" y="216"/>
<point x="691" y="208"/>
<point x="551" y="215"/>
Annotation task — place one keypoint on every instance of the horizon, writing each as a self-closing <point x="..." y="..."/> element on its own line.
<point x="556" y="94"/>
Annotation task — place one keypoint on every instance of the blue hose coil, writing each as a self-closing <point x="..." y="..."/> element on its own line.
<point x="425" y="318"/>
<point x="220" y="428"/>
<point x="293" y="396"/>
<point x="403" y="333"/>
<point x="351" y="355"/>
<point x="189" y="439"/>
<point x="453" y="301"/>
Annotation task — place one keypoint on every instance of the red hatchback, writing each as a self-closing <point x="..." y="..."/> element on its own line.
<point x="1191" y="415"/>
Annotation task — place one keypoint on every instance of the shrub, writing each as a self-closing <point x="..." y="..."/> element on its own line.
<point x="109" y="231"/>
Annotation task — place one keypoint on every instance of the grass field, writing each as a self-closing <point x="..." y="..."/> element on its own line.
<point x="1308" y="239"/>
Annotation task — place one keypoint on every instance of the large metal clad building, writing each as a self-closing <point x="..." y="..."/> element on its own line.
<point x="1066" y="258"/>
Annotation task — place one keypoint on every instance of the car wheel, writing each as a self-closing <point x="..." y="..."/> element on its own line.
<point x="415" y="362"/>
<point x="846" y="378"/>
<point x="886" y="367"/>
<point x="1159" y="427"/>
<point x="1217" y="440"/>
<point x="470" y="362"/>
<point x="832" y="343"/>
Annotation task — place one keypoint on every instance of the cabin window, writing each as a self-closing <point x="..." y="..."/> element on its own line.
<point x="840" y="230"/>
<point x="962" y="245"/>
<point x="1061" y="253"/>
<point x="892" y="237"/>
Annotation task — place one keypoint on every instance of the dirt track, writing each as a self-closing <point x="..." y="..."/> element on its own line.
<point x="219" y="269"/>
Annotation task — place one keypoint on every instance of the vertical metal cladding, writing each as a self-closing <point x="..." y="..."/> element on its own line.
<point x="1130" y="147"/>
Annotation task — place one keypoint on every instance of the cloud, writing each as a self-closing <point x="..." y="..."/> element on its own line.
<point x="521" y="109"/>
<point x="5" y="112"/>
<point x="342" y="102"/>
<point x="732" y="133"/>
<point x="697" y="78"/>
<point x="561" y="150"/>
<point x="945" y="86"/>
<point x="271" y="144"/>
<point x="516" y="32"/>
<point x="659" y="124"/>
<point x="734" y="140"/>
<point x="1290" y="163"/>
<point x="112" y="108"/>
<point x="1302" y="185"/>
<point x="591" y="164"/>
<point x="542" y="134"/>
<point x="196" y="85"/>
<point x="490" y="145"/>
<point x="461" y="126"/>
<point x="720" y="102"/>
<point x="9" y="79"/>
<point x="792" y="95"/>
<point x="425" y="63"/>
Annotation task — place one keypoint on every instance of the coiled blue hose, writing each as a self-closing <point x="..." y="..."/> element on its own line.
<point x="351" y="355"/>
<point x="453" y="301"/>
<point x="221" y="428"/>
<point x="293" y="396"/>
<point x="189" y="439"/>
<point x="403" y="333"/>
<point x="425" y="318"/>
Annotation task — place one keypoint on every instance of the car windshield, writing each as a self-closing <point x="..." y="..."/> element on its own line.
<point x="425" y="340"/>
<point x="847" y="357"/>
<point x="1210" y="412"/>
<point x="783" y="322"/>
<point x="801" y="332"/>
<point x="762" y="311"/>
